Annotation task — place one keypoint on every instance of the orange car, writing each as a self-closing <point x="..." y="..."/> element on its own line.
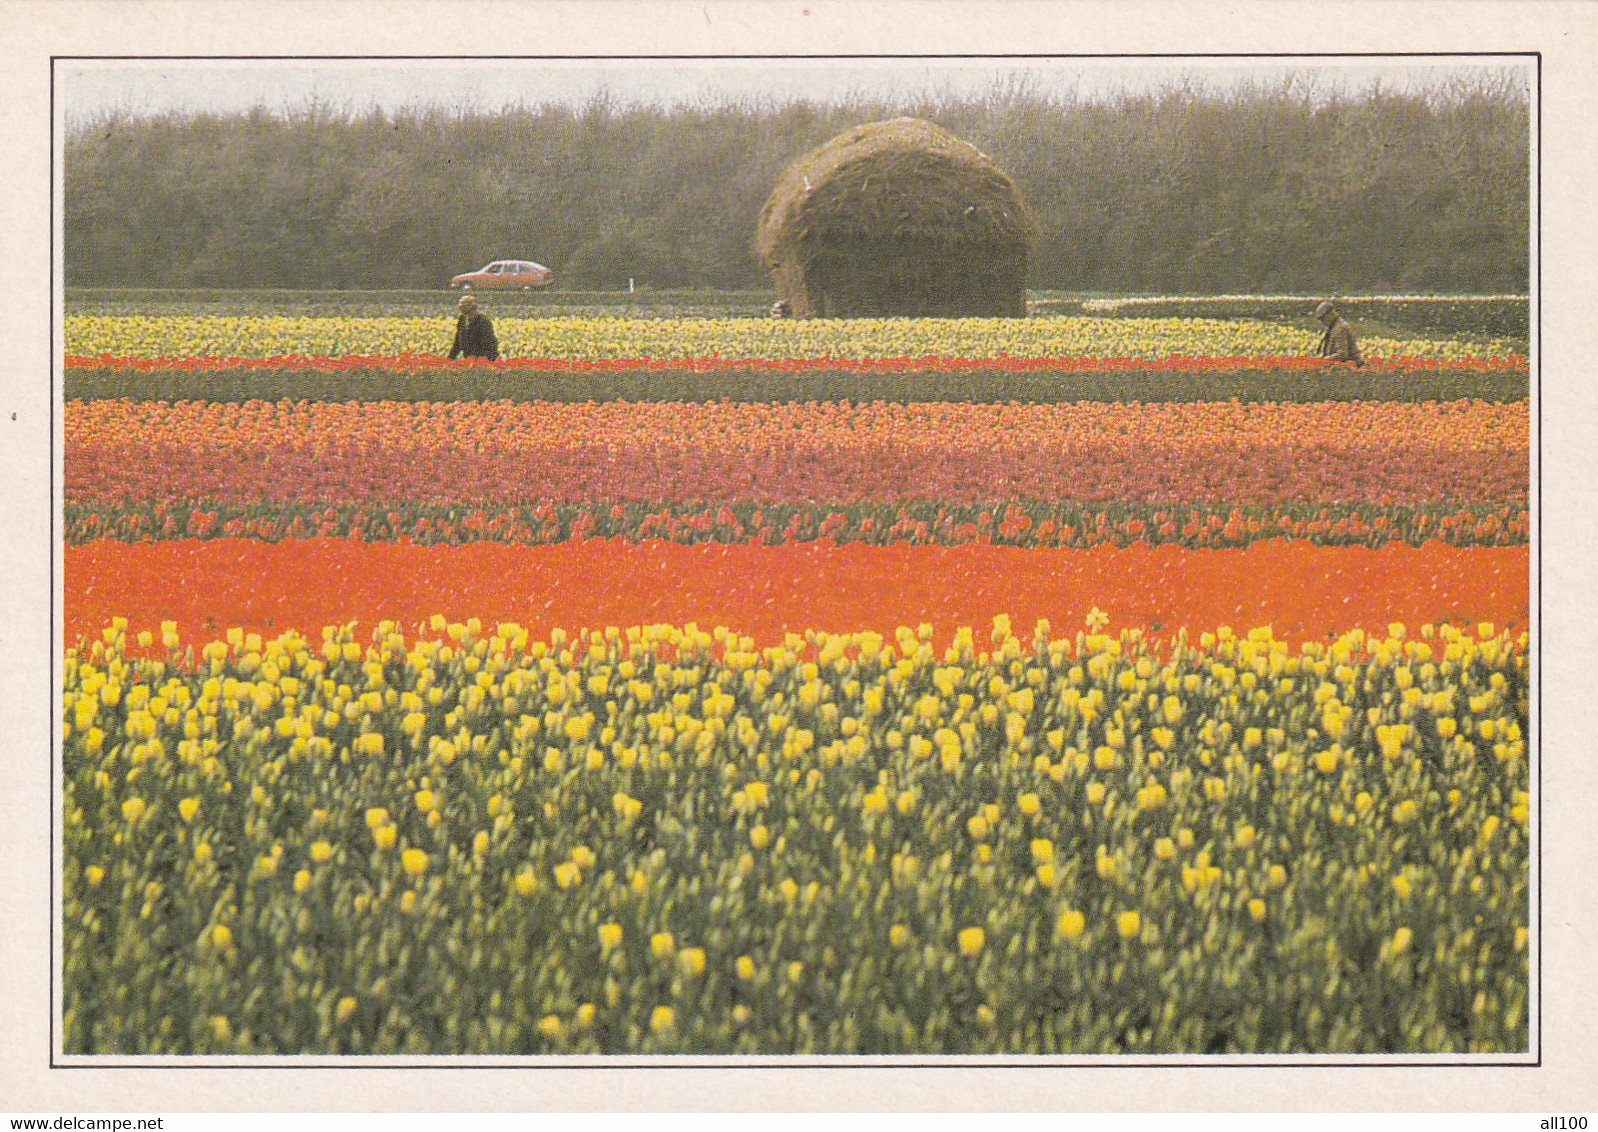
<point x="505" y="275"/>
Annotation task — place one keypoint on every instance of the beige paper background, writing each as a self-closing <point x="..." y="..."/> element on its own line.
<point x="1565" y="33"/>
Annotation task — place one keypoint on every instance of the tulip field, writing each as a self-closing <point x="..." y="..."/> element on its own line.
<point x="397" y="723"/>
<point x="770" y="340"/>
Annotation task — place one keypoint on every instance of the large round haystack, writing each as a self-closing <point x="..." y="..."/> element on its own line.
<point x="897" y="218"/>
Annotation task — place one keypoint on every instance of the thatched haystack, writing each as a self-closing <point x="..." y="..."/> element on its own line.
<point x="897" y="218"/>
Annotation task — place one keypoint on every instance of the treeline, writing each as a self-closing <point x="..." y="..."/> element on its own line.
<point x="1259" y="190"/>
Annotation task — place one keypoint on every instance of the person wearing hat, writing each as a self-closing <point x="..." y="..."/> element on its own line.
<point x="1337" y="344"/>
<point x="474" y="333"/>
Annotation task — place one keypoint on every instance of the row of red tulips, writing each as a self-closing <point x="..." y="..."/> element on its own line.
<point x="484" y="454"/>
<point x="1175" y="363"/>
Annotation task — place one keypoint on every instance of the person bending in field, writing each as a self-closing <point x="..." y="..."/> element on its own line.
<point x="474" y="333"/>
<point x="1337" y="344"/>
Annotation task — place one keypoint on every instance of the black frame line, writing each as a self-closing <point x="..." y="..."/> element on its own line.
<point x="57" y="593"/>
<point x="728" y="1063"/>
<point x="1534" y="660"/>
<point x="842" y="55"/>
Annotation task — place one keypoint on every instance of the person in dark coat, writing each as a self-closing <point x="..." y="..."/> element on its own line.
<point x="1338" y="342"/>
<point x="474" y="333"/>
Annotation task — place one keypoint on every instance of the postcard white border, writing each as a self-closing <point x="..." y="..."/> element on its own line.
<point x="1565" y="36"/>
